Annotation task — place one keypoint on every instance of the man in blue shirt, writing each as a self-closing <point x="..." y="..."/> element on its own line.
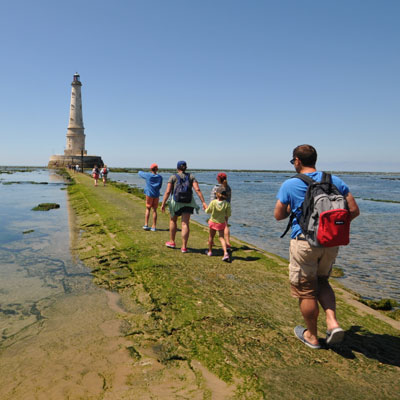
<point x="152" y="192"/>
<point x="309" y="266"/>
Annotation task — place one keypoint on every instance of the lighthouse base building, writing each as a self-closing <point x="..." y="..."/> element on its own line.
<point x="60" y="161"/>
<point x="75" y="153"/>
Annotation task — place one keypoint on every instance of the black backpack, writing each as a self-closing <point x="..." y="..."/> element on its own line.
<point x="325" y="216"/>
<point x="183" y="189"/>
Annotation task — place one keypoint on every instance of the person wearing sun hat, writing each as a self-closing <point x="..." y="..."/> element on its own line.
<point x="181" y="204"/>
<point x="152" y="192"/>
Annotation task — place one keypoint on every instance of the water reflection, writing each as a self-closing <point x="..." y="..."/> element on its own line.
<point x="36" y="267"/>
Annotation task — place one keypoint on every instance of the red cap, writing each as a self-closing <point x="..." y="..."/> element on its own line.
<point x="153" y="166"/>
<point x="221" y="176"/>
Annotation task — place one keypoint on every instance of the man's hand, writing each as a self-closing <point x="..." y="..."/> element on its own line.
<point x="353" y="206"/>
<point x="281" y="210"/>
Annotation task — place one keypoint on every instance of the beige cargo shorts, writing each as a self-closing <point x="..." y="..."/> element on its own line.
<point x="309" y="267"/>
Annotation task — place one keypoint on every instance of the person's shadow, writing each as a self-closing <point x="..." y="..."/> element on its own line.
<point x="384" y="348"/>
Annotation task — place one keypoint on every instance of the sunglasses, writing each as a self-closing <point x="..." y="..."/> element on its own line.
<point x="292" y="160"/>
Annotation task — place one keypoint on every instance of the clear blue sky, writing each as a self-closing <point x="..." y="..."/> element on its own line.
<point x="222" y="84"/>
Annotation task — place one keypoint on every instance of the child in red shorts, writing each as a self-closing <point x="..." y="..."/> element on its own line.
<point x="152" y="192"/>
<point x="220" y="211"/>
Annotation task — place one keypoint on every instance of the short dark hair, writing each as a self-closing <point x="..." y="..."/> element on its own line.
<point x="306" y="154"/>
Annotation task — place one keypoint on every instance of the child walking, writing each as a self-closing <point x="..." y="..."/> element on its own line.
<point x="104" y="173"/>
<point x="95" y="174"/>
<point x="220" y="211"/>
<point x="222" y="180"/>
<point x="152" y="192"/>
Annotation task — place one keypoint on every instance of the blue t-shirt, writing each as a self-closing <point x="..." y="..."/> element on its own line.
<point x="153" y="183"/>
<point x="294" y="190"/>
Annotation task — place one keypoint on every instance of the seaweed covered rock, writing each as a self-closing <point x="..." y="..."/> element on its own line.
<point x="46" y="206"/>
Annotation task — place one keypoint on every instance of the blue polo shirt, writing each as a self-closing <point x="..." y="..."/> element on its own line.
<point x="294" y="190"/>
<point x="153" y="183"/>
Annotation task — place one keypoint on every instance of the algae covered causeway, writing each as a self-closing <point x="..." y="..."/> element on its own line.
<point x="202" y="329"/>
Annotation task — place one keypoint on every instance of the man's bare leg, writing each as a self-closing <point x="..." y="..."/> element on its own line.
<point x="310" y="311"/>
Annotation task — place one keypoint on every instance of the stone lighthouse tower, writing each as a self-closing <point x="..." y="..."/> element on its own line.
<point x="75" y="152"/>
<point x="75" y="135"/>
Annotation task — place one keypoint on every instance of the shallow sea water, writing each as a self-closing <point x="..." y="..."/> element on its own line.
<point x="59" y="337"/>
<point x="36" y="266"/>
<point x="371" y="262"/>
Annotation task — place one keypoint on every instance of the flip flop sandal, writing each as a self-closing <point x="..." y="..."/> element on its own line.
<point x="299" y="332"/>
<point x="334" y="336"/>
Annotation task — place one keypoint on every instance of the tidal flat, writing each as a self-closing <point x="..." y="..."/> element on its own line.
<point x="60" y="333"/>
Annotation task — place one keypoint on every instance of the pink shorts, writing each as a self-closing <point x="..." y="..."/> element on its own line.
<point x="152" y="202"/>
<point x="95" y="176"/>
<point x="216" y="226"/>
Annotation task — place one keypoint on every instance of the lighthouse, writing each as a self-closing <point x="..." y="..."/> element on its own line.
<point x="75" y="132"/>
<point x="75" y="152"/>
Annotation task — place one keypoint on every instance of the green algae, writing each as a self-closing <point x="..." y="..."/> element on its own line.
<point x="337" y="272"/>
<point x="382" y="304"/>
<point x="384" y="201"/>
<point x="46" y="207"/>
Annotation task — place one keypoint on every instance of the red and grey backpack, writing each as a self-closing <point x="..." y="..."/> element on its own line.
<point x="325" y="216"/>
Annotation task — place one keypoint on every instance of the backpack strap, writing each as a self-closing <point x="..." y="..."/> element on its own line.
<point x="292" y="215"/>
<point x="326" y="177"/>
<point x="305" y="178"/>
<point x="308" y="181"/>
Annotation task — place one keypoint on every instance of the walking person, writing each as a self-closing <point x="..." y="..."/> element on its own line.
<point x="222" y="180"/>
<point x="310" y="266"/>
<point x="182" y="203"/>
<point x="95" y="174"/>
<point x="220" y="210"/>
<point x="152" y="192"/>
<point x="104" y="173"/>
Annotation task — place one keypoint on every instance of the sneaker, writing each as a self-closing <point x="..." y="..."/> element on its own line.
<point x="208" y="253"/>
<point x="146" y="228"/>
<point x="225" y="257"/>
<point x="153" y="229"/>
<point x="184" y="250"/>
<point x="171" y="245"/>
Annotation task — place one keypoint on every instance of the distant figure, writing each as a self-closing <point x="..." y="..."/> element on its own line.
<point x="223" y="181"/>
<point x="310" y="266"/>
<point x="182" y="203"/>
<point x="104" y="172"/>
<point x="77" y="168"/>
<point x="152" y="192"/>
<point x="95" y="174"/>
<point x="220" y="210"/>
